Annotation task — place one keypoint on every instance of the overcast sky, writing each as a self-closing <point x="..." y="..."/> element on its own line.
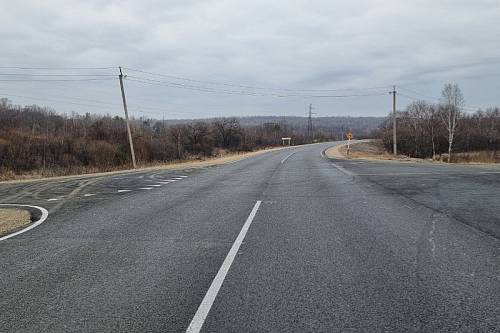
<point x="303" y="45"/>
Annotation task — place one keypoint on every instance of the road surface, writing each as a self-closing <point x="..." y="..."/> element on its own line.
<point x="286" y="241"/>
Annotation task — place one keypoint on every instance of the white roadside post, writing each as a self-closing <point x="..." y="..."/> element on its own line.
<point x="349" y="137"/>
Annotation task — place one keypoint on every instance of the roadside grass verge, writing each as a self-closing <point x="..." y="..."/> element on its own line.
<point x="222" y="157"/>
<point x="374" y="150"/>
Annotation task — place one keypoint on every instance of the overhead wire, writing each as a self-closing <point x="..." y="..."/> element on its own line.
<point x="248" y="86"/>
<point x="235" y="92"/>
<point x="57" y="80"/>
<point x="58" y="68"/>
<point x="54" y="75"/>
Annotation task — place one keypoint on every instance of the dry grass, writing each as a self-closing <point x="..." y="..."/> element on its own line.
<point x="374" y="150"/>
<point x="363" y="149"/>
<point x="13" y="219"/>
<point x="222" y="158"/>
<point x="476" y="157"/>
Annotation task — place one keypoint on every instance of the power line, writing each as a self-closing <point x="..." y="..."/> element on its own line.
<point x="234" y="92"/>
<point x="196" y="88"/>
<point x="107" y="105"/>
<point x="249" y="86"/>
<point x="57" y="68"/>
<point x="54" y="75"/>
<point x="56" y="80"/>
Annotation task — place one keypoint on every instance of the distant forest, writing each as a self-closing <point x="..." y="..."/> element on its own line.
<point x="38" y="140"/>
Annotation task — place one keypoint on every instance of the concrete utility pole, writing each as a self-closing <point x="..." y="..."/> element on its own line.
<point x="395" y="145"/>
<point x="310" y="124"/>
<point x="126" y="119"/>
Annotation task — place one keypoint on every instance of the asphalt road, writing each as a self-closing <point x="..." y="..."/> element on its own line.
<point x="331" y="246"/>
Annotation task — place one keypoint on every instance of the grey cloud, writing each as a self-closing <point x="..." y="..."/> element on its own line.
<point x="298" y="44"/>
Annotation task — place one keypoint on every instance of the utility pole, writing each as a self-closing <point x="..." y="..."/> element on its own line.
<point x="394" y="137"/>
<point x="310" y="125"/>
<point x="126" y="119"/>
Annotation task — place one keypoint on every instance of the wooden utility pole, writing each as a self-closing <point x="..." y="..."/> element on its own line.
<point x="394" y="137"/>
<point x="132" y="153"/>
<point x="309" y="125"/>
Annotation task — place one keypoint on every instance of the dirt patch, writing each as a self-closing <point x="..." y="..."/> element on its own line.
<point x="365" y="149"/>
<point x="12" y="219"/>
<point x="373" y="150"/>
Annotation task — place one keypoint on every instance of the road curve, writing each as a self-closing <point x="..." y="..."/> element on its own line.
<point x="333" y="245"/>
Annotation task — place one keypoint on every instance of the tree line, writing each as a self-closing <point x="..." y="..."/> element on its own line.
<point x="36" y="139"/>
<point x="437" y="130"/>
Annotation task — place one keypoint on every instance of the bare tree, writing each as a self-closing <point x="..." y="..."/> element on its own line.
<point x="452" y="101"/>
<point x="493" y="128"/>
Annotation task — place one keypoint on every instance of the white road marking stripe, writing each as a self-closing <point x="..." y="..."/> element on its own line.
<point x="145" y="188"/>
<point x="179" y="178"/>
<point x="347" y="172"/>
<point x="183" y="176"/>
<point x="155" y="185"/>
<point x="53" y="199"/>
<point x="121" y="191"/>
<point x="451" y="173"/>
<point x="284" y="160"/>
<point x="89" y="195"/>
<point x="44" y="216"/>
<point x="207" y="302"/>
<point x="172" y="180"/>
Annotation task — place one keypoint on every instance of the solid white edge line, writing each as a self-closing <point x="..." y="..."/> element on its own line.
<point x="42" y="219"/>
<point x="207" y="302"/>
<point x="284" y="160"/>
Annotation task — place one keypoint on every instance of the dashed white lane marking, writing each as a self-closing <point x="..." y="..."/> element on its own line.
<point x="154" y="185"/>
<point x="207" y="302"/>
<point x="347" y="172"/>
<point x="53" y="199"/>
<point x="431" y="237"/>
<point x="145" y="188"/>
<point x="442" y="173"/>
<point x="179" y="178"/>
<point x="183" y="176"/>
<point x="284" y="160"/>
<point x="89" y="195"/>
<point x="172" y="180"/>
<point x="121" y="191"/>
<point x="44" y="216"/>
